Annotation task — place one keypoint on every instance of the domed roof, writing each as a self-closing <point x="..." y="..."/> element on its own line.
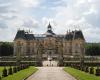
<point x="49" y="32"/>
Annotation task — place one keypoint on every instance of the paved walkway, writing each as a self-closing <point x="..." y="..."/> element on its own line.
<point x="51" y="73"/>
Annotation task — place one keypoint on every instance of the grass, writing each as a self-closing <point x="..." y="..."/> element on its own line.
<point x="81" y="75"/>
<point x="1" y="69"/>
<point x="21" y="74"/>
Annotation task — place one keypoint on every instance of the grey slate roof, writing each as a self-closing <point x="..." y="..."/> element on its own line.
<point x="29" y="36"/>
<point x="69" y="36"/>
<point x="77" y="34"/>
<point x="49" y="33"/>
<point x="21" y="34"/>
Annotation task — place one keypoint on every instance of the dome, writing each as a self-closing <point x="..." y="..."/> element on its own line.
<point x="49" y="32"/>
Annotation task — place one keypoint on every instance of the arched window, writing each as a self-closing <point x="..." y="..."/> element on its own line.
<point x="28" y="49"/>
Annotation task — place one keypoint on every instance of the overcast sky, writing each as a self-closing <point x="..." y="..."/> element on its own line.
<point x="63" y="15"/>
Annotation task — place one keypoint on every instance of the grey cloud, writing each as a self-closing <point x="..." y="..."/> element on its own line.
<point x="3" y="25"/>
<point x="30" y="23"/>
<point x="3" y="9"/>
<point x="93" y="19"/>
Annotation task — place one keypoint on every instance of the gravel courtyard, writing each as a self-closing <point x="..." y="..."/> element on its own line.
<point x="51" y="73"/>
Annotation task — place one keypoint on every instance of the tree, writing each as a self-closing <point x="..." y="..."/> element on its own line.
<point x="6" y="49"/>
<point x="93" y="49"/>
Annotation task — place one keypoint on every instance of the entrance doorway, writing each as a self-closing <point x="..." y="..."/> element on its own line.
<point x="50" y="63"/>
<point x="50" y="59"/>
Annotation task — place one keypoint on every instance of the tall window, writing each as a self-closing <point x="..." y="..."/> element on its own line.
<point x="70" y="50"/>
<point x="28" y="49"/>
<point x="28" y="43"/>
<point x="18" y="43"/>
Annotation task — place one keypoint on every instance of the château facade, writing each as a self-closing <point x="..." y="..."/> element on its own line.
<point x="49" y="44"/>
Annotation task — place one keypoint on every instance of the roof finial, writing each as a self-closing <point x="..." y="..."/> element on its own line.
<point x="49" y="22"/>
<point x="49" y="26"/>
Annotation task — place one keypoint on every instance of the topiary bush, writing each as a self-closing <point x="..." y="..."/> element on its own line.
<point x="14" y="69"/>
<point x="4" y="73"/>
<point x="86" y="69"/>
<point x="10" y="71"/>
<point x="0" y="78"/>
<point x="91" y="71"/>
<point x="82" y="68"/>
<point x="18" y="68"/>
<point x="97" y="71"/>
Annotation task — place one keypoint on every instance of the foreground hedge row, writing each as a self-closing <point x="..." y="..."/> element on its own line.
<point x="91" y="70"/>
<point x="81" y="75"/>
<point x="12" y="70"/>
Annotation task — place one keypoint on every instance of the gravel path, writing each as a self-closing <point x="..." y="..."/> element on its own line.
<point x="51" y="73"/>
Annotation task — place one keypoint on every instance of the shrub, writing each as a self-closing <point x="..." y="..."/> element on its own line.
<point x="97" y="72"/>
<point x="18" y="68"/>
<point x="91" y="70"/>
<point x="86" y="69"/>
<point x="14" y="69"/>
<point x="4" y="74"/>
<point x="82" y="68"/>
<point x="0" y="77"/>
<point x="10" y="71"/>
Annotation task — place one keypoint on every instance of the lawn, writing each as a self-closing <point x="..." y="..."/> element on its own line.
<point x="81" y="75"/>
<point x="1" y="68"/>
<point x="21" y="74"/>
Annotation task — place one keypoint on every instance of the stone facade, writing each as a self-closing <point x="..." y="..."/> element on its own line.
<point x="49" y="44"/>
